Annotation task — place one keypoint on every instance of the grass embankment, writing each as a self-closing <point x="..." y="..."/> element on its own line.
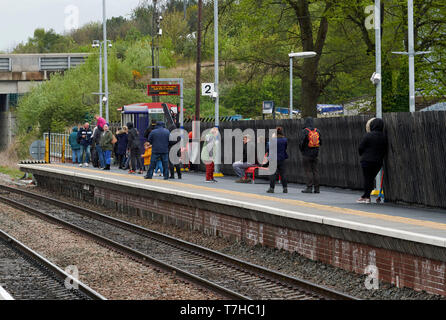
<point x="13" y="173"/>
<point x="8" y="163"/>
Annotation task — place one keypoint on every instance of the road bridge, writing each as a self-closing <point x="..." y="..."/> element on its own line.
<point x="19" y="73"/>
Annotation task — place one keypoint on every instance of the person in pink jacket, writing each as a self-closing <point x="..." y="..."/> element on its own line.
<point x="100" y="121"/>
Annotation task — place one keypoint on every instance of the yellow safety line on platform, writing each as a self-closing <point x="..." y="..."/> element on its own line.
<point x="422" y="223"/>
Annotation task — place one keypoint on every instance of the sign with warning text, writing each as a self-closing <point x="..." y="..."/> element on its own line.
<point x="163" y="90"/>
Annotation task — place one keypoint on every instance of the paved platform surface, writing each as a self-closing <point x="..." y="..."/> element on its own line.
<point x="4" y="295"/>
<point x="333" y="206"/>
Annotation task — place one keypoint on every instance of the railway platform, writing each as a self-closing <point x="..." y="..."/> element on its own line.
<point x="405" y="246"/>
<point x="4" y="295"/>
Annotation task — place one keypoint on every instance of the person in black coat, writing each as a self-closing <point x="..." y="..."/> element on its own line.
<point x="310" y="141"/>
<point x="175" y="167"/>
<point x="122" y="138"/>
<point x="149" y="129"/>
<point x="133" y="146"/>
<point x="372" y="150"/>
<point x="279" y="155"/>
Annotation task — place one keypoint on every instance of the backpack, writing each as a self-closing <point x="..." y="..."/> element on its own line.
<point x="313" y="138"/>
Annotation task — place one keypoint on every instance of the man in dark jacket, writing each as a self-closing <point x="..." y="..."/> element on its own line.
<point x="310" y="141"/>
<point x="134" y="146"/>
<point x="122" y="138"/>
<point x="159" y="139"/>
<point x="372" y="150"/>
<point x="96" y="140"/>
<point x="149" y="129"/>
<point x="84" y="139"/>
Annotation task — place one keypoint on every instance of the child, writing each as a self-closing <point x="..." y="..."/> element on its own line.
<point x="147" y="154"/>
<point x="159" y="168"/>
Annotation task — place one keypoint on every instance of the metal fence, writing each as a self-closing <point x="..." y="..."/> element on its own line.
<point x="59" y="144"/>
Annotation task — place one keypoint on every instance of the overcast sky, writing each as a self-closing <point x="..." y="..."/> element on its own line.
<point x="19" y="18"/>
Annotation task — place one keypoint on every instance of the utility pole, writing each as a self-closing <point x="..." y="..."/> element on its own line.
<point x="216" y="92"/>
<point x="104" y="23"/>
<point x="155" y="73"/>
<point x="198" y="77"/>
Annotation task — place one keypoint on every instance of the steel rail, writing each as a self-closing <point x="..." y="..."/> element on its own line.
<point x="60" y="274"/>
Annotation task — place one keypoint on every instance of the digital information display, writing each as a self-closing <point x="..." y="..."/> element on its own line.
<point x="163" y="89"/>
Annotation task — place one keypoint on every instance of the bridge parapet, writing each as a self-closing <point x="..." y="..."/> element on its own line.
<point x="40" y="62"/>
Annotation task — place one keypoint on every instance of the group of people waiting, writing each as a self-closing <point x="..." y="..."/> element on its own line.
<point x="372" y="151"/>
<point x="126" y="144"/>
<point x="101" y="138"/>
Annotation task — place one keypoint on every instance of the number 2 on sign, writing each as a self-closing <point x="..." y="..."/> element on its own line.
<point x="207" y="89"/>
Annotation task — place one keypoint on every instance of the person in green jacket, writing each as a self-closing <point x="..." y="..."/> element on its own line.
<point x="107" y="146"/>
<point x="75" y="146"/>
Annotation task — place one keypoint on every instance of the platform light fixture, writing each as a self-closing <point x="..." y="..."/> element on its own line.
<point x="303" y="55"/>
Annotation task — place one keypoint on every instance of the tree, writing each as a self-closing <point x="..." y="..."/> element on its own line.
<point x="401" y="103"/>
<point x="45" y="42"/>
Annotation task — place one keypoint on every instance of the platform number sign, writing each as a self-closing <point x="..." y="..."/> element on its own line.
<point x="207" y="89"/>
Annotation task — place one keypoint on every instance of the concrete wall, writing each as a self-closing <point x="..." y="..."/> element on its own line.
<point x="7" y="126"/>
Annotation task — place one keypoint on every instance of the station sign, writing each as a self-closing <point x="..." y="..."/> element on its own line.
<point x="207" y="89"/>
<point x="156" y="110"/>
<point x="163" y="89"/>
<point x="268" y="107"/>
<point x="37" y="150"/>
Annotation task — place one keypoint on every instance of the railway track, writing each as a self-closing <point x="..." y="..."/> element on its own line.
<point x="26" y="275"/>
<point x="231" y="277"/>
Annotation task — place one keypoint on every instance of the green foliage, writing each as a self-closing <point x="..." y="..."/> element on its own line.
<point x="66" y="99"/>
<point x="13" y="173"/>
<point x="388" y="99"/>
<point x="402" y="89"/>
<point x="45" y="42"/>
<point x="255" y="38"/>
<point x="246" y="99"/>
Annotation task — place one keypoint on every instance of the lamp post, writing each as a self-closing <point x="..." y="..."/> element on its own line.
<point x="98" y="44"/>
<point x="305" y="54"/>
<point x="411" y="53"/>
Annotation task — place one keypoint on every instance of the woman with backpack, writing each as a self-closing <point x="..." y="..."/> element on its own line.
<point x="372" y="150"/>
<point x="310" y="142"/>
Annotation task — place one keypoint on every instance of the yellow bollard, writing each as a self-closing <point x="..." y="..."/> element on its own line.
<point x="47" y="150"/>
<point x="63" y="150"/>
